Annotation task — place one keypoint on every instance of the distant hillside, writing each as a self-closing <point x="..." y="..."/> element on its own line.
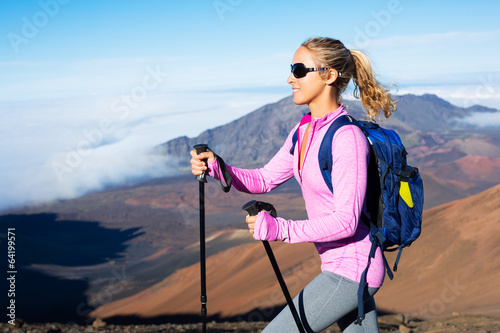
<point x="453" y="267"/>
<point x="249" y="140"/>
<point x="239" y="280"/>
<point x="455" y="264"/>
<point x="268" y="127"/>
<point x="444" y="148"/>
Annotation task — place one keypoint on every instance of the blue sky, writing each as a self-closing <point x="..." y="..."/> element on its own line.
<point x="87" y="87"/>
<point x="99" y="47"/>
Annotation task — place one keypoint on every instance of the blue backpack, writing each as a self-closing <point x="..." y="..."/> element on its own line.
<point x="395" y="193"/>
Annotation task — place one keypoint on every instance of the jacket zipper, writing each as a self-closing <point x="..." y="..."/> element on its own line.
<point x="308" y="145"/>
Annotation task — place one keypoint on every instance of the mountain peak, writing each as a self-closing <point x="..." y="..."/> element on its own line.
<point x="428" y="98"/>
<point x="480" y="108"/>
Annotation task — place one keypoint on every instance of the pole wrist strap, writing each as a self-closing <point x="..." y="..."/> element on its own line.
<point x="228" y="179"/>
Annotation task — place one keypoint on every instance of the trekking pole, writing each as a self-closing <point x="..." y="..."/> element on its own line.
<point x="253" y="208"/>
<point x="200" y="148"/>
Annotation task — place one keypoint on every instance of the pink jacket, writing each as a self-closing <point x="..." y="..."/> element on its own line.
<point x="333" y="223"/>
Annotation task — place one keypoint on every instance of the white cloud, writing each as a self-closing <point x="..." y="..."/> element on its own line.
<point x="60" y="149"/>
<point x="483" y="119"/>
<point x="460" y="95"/>
<point x="57" y="180"/>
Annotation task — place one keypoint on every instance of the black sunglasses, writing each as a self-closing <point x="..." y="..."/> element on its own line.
<point x="299" y="70"/>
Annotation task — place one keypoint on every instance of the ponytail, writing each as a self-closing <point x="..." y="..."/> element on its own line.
<point x="352" y="64"/>
<point x="374" y="96"/>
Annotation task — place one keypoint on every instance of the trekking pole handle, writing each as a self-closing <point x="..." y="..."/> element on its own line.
<point x="254" y="207"/>
<point x="201" y="148"/>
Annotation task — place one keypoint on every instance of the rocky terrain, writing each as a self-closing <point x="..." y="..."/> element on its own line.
<point x="452" y="323"/>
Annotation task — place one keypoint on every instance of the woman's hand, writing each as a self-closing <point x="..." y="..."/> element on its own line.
<point x="197" y="164"/>
<point x="250" y="220"/>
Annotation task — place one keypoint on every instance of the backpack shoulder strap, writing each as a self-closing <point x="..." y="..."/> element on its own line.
<point x="295" y="137"/>
<point x="325" y="150"/>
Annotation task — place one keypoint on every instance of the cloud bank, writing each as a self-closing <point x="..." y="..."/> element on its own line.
<point x="65" y="148"/>
<point x="483" y="119"/>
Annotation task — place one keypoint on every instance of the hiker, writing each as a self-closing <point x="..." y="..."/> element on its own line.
<point x="321" y="71"/>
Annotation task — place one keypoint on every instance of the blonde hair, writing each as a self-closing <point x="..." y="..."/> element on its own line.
<point x="354" y="64"/>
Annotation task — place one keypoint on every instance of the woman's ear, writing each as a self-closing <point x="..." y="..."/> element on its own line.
<point x="333" y="76"/>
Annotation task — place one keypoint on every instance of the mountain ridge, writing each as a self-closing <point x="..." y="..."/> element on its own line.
<point x="268" y="127"/>
<point x="432" y="129"/>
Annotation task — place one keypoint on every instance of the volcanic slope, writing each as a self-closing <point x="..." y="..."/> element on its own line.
<point x="453" y="267"/>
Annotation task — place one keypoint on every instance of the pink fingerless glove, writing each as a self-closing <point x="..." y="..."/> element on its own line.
<point x="266" y="227"/>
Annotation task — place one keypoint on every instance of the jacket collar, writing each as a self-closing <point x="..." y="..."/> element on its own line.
<point x="322" y="121"/>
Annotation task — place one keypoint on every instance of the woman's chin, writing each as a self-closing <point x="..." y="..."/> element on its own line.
<point x="298" y="101"/>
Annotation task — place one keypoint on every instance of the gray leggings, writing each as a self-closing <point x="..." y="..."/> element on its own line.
<point x="327" y="299"/>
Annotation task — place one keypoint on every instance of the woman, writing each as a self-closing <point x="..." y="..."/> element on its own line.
<point x="321" y="71"/>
